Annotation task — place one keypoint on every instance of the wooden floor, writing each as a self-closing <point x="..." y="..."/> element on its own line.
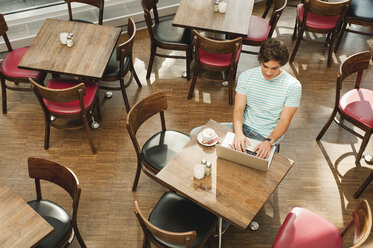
<point x="323" y="178"/>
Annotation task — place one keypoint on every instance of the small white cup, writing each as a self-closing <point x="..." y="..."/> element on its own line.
<point x="208" y="134"/>
<point x="63" y="38"/>
<point x="198" y="171"/>
<point x="222" y="7"/>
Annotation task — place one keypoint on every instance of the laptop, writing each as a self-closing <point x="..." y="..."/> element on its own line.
<point x="248" y="158"/>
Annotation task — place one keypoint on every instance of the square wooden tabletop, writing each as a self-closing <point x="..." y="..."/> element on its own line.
<point x="88" y="57"/>
<point x="20" y="225"/>
<point x="234" y="192"/>
<point x="199" y="14"/>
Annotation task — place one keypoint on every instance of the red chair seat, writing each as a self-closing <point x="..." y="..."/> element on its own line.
<point x="315" y="21"/>
<point x="358" y="103"/>
<point x="305" y="229"/>
<point x="258" y="30"/>
<point x="9" y="66"/>
<point x="70" y="107"/>
<point x="212" y="59"/>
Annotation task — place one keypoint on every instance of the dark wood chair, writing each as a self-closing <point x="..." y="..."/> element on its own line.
<point x="260" y="29"/>
<point x="216" y="55"/>
<point x="303" y="228"/>
<point x="269" y="5"/>
<point x="176" y="222"/>
<point x="164" y="35"/>
<point x="65" y="226"/>
<point x="120" y="64"/>
<point x="63" y="98"/>
<point x="318" y="16"/>
<point x="162" y="146"/>
<point x="360" y="13"/>
<point x="9" y="71"/>
<point x="354" y="106"/>
<point x="96" y="3"/>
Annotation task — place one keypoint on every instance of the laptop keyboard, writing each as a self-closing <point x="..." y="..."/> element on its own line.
<point x="247" y="151"/>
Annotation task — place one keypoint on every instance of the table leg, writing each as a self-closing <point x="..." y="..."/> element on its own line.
<point x="220" y="227"/>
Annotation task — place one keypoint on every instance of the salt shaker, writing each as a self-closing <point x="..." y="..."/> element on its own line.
<point x="203" y="161"/>
<point x="208" y="168"/>
<point x="216" y="6"/>
<point x="69" y="41"/>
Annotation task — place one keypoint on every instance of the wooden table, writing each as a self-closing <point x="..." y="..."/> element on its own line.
<point x="233" y="192"/>
<point x="88" y="57"/>
<point x="199" y="14"/>
<point x="20" y="225"/>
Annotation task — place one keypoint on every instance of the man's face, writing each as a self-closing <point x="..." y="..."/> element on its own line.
<point x="270" y="69"/>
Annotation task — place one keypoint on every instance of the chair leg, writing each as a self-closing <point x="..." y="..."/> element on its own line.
<point x="47" y="131"/>
<point x="146" y="243"/>
<point x="124" y="94"/>
<point x="80" y="239"/>
<point x="268" y="6"/>
<point x="299" y="39"/>
<point x="194" y="80"/>
<point x="230" y="85"/>
<point x="151" y="60"/>
<point x="138" y="171"/>
<point x="331" y="45"/>
<point x="3" y="93"/>
<point x="98" y="108"/>
<point x="363" y="186"/>
<point x="327" y="124"/>
<point x="86" y="126"/>
<point x="343" y="29"/>
<point x="363" y="146"/>
<point x="135" y="75"/>
<point x="295" y="29"/>
<point x="188" y="61"/>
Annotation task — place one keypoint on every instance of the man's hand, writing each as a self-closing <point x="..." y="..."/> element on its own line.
<point x="239" y="142"/>
<point x="263" y="149"/>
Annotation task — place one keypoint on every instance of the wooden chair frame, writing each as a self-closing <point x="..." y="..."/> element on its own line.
<point x="216" y="47"/>
<point x="96" y="3"/>
<point x="16" y="80"/>
<point x="42" y="169"/>
<point x="149" y="5"/>
<point x="65" y="95"/>
<point x="320" y="8"/>
<point x="124" y="50"/>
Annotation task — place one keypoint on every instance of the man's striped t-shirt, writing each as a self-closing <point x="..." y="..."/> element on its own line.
<point x="266" y="98"/>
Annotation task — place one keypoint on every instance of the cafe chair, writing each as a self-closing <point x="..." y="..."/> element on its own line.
<point x="165" y="36"/>
<point x="176" y="222"/>
<point x="120" y="64"/>
<point x="303" y="228"/>
<point x="216" y="55"/>
<point x="63" y="98"/>
<point x="9" y="71"/>
<point x="318" y="16"/>
<point x="65" y="226"/>
<point x="359" y="13"/>
<point x="160" y="148"/>
<point x="260" y="29"/>
<point x="95" y="3"/>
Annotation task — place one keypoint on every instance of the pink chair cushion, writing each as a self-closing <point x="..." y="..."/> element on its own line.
<point x="303" y="228"/>
<point x="258" y="30"/>
<point x="358" y="103"/>
<point x="316" y="21"/>
<point x="9" y="66"/>
<point x="70" y="107"/>
<point x="218" y="60"/>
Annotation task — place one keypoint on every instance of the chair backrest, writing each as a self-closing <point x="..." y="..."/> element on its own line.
<point x="186" y="238"/>
<point x="357" y="62"/>
<point x="362" y="222"/>
<point x="3" y="30"/>
<point x="147" y="6"/>
<point x="125" y="49"/>
<point x="323" y="8"/>
<point x="96" y="3"/>
<point x="278" y="7"/>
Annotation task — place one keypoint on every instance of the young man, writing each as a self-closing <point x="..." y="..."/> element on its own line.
<point x="266" y="100"/>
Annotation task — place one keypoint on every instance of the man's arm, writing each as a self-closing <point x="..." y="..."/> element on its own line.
<point x="263" y="149"/>
<point x="239" y="139"/>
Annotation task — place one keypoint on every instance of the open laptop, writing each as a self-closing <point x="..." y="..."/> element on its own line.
<point x="247" y="159"/>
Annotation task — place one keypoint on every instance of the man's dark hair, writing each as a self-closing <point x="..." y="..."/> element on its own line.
<point x="273" y="49"/>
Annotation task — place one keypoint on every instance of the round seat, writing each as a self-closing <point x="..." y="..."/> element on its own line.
<point x="112" y="68"/>
<point x="316" y="21"/>
<point x="218" y="60"/>
<point x="165" y="32"/>
<point x="258" y="30"/>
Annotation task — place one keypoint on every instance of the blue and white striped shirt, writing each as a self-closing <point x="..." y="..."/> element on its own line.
<point x="266" y="98"/>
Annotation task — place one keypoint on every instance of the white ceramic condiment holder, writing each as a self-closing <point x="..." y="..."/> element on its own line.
<point x="198" y="171"/>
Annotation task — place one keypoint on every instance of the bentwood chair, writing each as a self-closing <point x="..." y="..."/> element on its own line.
<point x="159" y="148"/>
<point x="216" y="55"/>
<point x="303" y="228"/>
<point x="95" y="3"/>
<point x="9" y="71"/>
<point x="120" y="64"/>
<point x="360" y="12"/>
<point x="65" y="226"/>
<point x="260" y="29"/>
<point x="355" y="105"/>
<point x="165" y="36"/>
<point x="62" y="99"/>
<point x="318" y="16"/>
<point x="176" y="222"/>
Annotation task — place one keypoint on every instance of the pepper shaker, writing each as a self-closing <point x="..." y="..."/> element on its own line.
<point x="69" y="41"/>
<point x="208" y="168"/>
<point x="216" y="6"/>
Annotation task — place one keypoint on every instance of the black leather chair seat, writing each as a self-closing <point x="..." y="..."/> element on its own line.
<point x="57" y="217"/>
<point x="361" y="9"/>
<point x="112" y="68"/>
<point x="166" y="33"/>
<point x="174" y="213"/>
<point x="162" y="146"/>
